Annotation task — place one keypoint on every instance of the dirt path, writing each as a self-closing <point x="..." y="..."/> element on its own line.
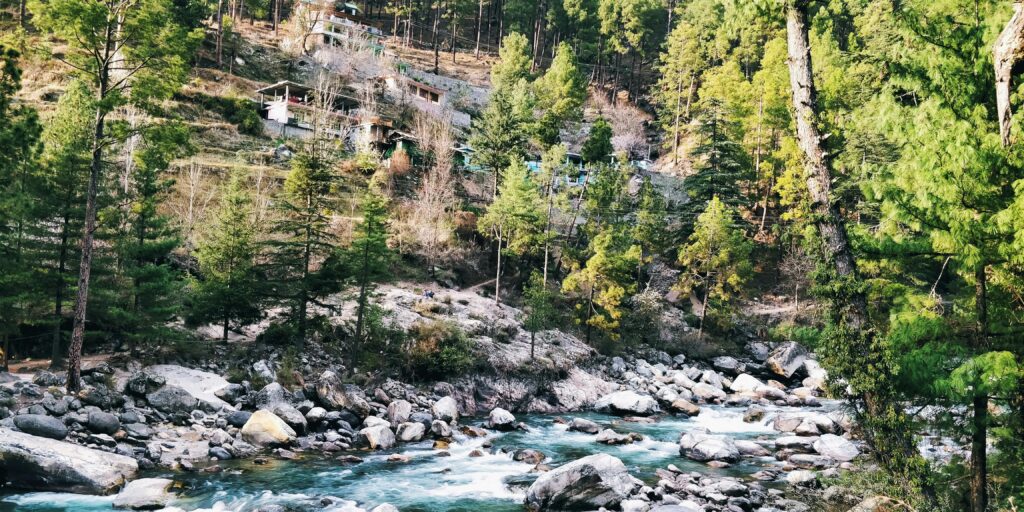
<point x="32" y="365"/>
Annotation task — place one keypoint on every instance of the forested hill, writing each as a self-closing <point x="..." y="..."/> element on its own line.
<point x="198" y="180"/>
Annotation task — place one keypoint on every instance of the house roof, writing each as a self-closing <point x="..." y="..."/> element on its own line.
<point x="292" y="86"/>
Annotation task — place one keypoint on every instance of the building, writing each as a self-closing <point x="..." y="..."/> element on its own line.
<point x="295" y="108"/>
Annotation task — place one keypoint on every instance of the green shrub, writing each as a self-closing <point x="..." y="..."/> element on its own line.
<point x="240" y="112"/>
<point x="439" y="350"/>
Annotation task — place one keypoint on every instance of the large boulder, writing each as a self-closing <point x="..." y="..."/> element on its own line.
<point x="500" y="419"/>
<point x="399" y="411"/>
<point x="31" y="462"/>
<point x="335" y="395"/>
<point x="203" y="386"/>
<point x="786" y="359"/>
<point x="446" y="409"/>
<point x="745" y="383"/>
<point x="708" y="392"/>
<point x="377" y="437"/>
<point x="287" y="412"/>
<point x="103" y="422"/>
<point x="144" y="494"/>
<point x="836" y="448"/>
<point x="589" y="483"/>
<point x="41" y="425"/>
<point x="264" y="428"/>
<point x="701" y="446"/>
<point x="411" y="432"/>
<point x="628" y="402"/>
<point x="172" y="400"/>
<point x="584" y="425"/>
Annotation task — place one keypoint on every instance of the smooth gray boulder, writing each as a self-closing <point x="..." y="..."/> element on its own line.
<point x="144" y="494"/>
<point x="584" y="425"/>
<point x="589" y="483"/>
<point x="836" y="447"/>
<point x="37" y="463"/>
<point x="41" y="425"/>
<point x="399" y="411"/>
<point x="702" y="447"/>
<point x="410" y="432"/>
<point x="628" y="402"/>
<point x="200" y="385"/>
<point x="378" y="437"/>
<point x="103" y="422"/>
<point x="172" y="400"/>
<point x="446" y="409"/>
<point x="500" y="419"/>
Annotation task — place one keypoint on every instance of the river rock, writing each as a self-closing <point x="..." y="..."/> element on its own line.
<point x="36" y="463"/>
<point x="202" y="386"/>
<point x="446" y="409"/>
<point x="264" y="428"/>
<point x="589" y="483"/>
<point x="384" y="507"/>
<point x="238" y="419"/>
<point x="796" y="443"/>
<point x="172" y="400"/>
<point x="441" y="429"/>
<point x="611" y="437"/>
<point x="529" y="456"/>
<point x="378" y="437"/>
<point x="335" y="395"/>
<point x="628" y="402"/>
<point x="399" y="411"/>
<point x="686" y="407"/>
<point x="751" y="449"/>
<point x="410" y="432"/>
<point x="584" y="425"/>
<point x="708" y="392"/>
<point x="287" y="412"/>
<point x="745" y="383"/>
<point x="836" y="447"/>
<point x="726" y="364"/>
<point x="103" y="422"/>
<point x="786" y="359"/>
<point x="41" y="425"/>
<point x="800" y="477"/>
<point x="701" y="446"/>
<point x="144" y="494"/>
<point x="500" y="419"/>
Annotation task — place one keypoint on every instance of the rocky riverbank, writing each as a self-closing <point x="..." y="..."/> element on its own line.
<point x="131" y="419"/>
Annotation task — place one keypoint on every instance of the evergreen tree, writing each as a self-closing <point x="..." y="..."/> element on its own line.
<point x="560" y="93"/>
<point x="369" y="257"/>
<point x="721" y="164"/>
<point x="66" y="141"/>
<point x="500" y="134"/>
<point x="150" y="296"/>
<point x="605" y="281"/>
<point x="514" y="64"/>
<point x="19" y="137"/>
<point x="598" y="146"/>
<point x="229" y="286"/>
<point x="541" y="313"/>
<point x="128" y="52"/>
<point x="513" y="218"/>
<point x="716" y="262"/>
<point x="303" y="238"/>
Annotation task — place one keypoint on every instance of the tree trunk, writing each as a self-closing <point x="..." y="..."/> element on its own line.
<point x="437" y="54"/>
<point x="979" y="435"/>
<point x="533" y="343"/>
<point x="1008" y="49"/>
<point x="837" y="252"/>
<point x="74" y="379"/>
<point x="479" y="28"/>
<point x="547" y="226"/>
<point x="56" y="348"/>
<point x="220" y="33"/>
<point x="497" y="276"/>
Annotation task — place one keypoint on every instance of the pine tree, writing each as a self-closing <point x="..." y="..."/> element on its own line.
<point x="598" y="147"/>
<point x="19" y="137"/>
<point x="150" y="287"/>
<point x="560" y="93"/>
<point x="303" y="238"/>
<point x="369" y="257"/>
<point x="65" y="167"/>
<point x="514" y="64"/>
<point x="716" y="262"/>
<point x="128" y="52"/>
<point x="605" y="281"/>
<point x="513" y="218"/>
<point x="228" y="289"/>
<point x="541" y="313"/>
<point x="500" y="134"/>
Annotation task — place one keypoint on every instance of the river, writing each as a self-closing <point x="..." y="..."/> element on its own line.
<point x="429" y="482"/>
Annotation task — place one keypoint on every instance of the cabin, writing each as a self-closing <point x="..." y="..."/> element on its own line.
<point x="295" y="108"/>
